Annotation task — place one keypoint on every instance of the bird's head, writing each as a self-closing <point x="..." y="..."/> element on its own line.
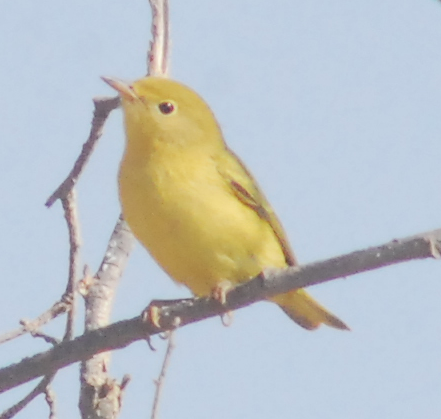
<point x="164" y="111"/>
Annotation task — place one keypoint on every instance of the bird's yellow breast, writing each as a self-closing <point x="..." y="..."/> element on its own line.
<point x="183" y="212"/>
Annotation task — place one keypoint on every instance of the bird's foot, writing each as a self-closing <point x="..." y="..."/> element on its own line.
<point x="220" y="291"/>
<point x="151" y="315"/>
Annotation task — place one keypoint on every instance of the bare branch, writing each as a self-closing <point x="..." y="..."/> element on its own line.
<point x="60" y="307"/>
<point x="97" y="389"/>
<point x="66" y="304"/>
<point x="103" y="107"/>
<point x="101" y="292"/>
<point x="107" y="401"/>
<point x="47" y="338"/>
<point x="71" y="215"/>
<point x="49" y="396"/>
<point x="121" y="334"/>
<point x="158" y="55"/>
<point x="160" y="380"/>
<point x="39" y="389"/>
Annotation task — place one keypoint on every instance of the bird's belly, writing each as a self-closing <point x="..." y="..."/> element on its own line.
<point x="199" y="232"/>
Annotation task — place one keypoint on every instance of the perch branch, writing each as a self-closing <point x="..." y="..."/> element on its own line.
<point x="121" y="334"/>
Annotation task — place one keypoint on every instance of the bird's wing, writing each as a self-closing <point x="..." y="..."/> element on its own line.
<point x="245" y="188"/>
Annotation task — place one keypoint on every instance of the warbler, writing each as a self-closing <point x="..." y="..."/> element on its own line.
<point x="193" y="204"/>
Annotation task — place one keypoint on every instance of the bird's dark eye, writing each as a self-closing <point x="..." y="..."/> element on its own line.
<point x="166" y="107"/>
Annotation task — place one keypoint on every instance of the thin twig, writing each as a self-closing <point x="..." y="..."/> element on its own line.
<point x="39" y="389"/>
<point x="71" y="215"/>
<point x="103" y="107"/>
<point x="60" y="307"/>
<point x="159" y="382"/>
<point x="47" y="338"/>
<point x="42" y="388"/>
<point x="64" y="305"/>
<point x="49" y="396"/>
<point x="121" y="334"/>
<point x="158" y="55"/>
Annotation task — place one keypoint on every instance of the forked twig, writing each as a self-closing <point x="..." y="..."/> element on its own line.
<point x="60" y="307"/>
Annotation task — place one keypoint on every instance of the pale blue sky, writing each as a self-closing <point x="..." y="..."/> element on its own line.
<point x="334" y="105"/>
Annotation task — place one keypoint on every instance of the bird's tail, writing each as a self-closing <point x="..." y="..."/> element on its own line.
<point x="305" y="311"/>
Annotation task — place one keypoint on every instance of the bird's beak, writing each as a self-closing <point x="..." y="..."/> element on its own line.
<point x="123" y="88"/>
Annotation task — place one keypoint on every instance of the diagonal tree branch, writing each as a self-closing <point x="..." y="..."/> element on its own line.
<point x="103" y="107"/>
<point x="41" y="388"/>
<point x="121" y="334"/>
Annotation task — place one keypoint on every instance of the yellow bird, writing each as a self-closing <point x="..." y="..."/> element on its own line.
<point x="192" y="203"/>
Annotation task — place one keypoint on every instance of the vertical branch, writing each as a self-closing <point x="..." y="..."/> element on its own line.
<point x="160" y="381"/>
<point x="158" y="55"/>
<point x="100" y="394"/>
<point x="71" y="215"/>
<point x="49" y="396"/>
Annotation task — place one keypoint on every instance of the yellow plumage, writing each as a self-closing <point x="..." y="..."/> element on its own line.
<point x="191" y="202"/>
